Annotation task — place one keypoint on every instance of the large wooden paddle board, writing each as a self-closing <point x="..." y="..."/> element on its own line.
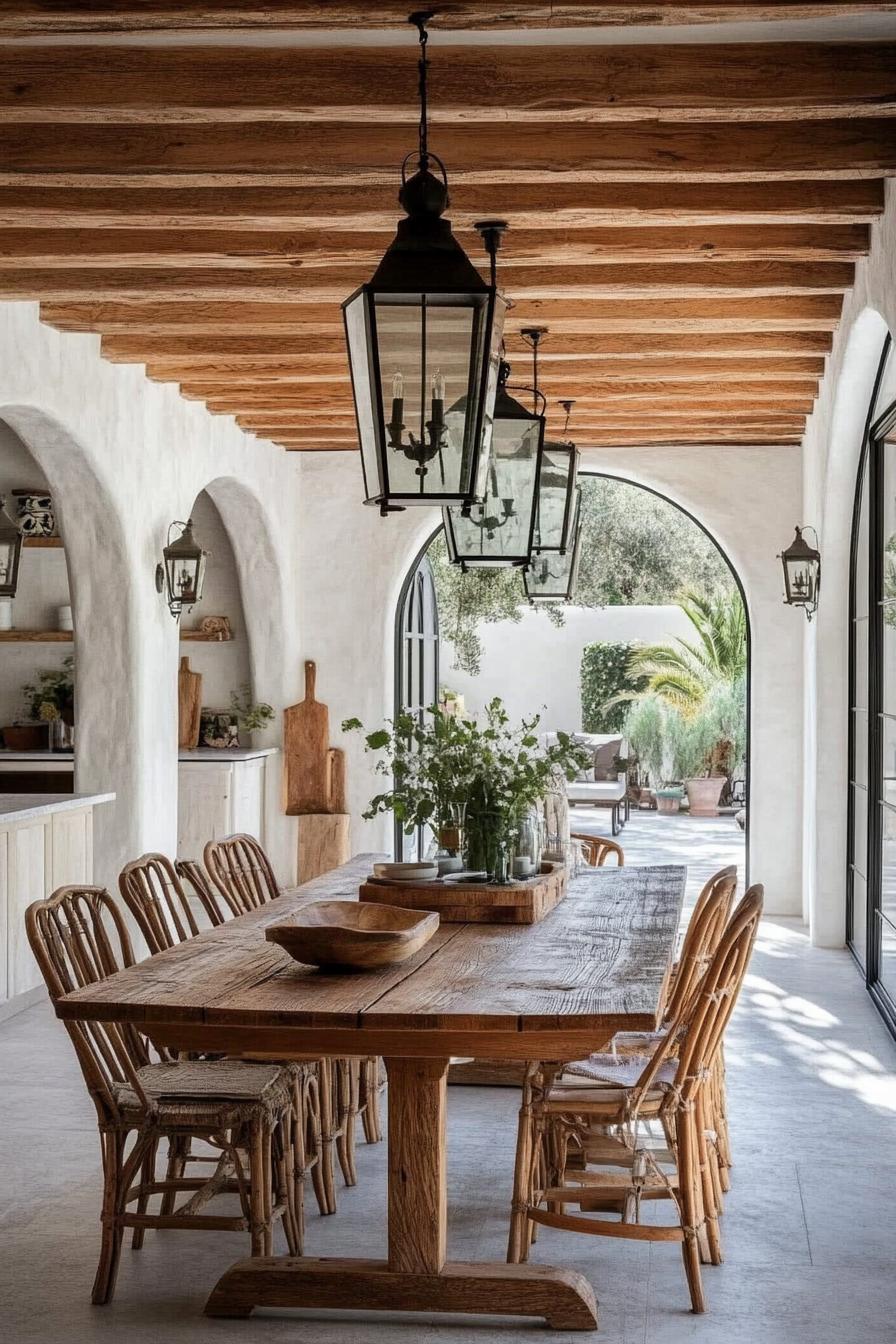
<point x="306" y="742"/>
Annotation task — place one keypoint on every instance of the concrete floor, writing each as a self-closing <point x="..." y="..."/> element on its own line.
<point x="809" y="1234"/>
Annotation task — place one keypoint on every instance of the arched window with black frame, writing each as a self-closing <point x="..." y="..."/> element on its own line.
<point x="416" y="670"/>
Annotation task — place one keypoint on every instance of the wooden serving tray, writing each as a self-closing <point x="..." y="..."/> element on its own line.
<point x="523" y="902"/>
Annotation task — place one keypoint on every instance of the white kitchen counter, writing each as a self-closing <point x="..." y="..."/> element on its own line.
<point x="46" y="842"/>
<point x="25" y="806"/>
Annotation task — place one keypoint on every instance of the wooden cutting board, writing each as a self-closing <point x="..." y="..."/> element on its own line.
<point x="306" y="740"/>
<point x="189" y="705"/>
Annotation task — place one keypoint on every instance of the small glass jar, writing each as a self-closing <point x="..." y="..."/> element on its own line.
<point x="527" y="849"/>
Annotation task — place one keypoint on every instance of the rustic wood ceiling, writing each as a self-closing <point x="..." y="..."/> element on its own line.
<point x="684" y="219"/>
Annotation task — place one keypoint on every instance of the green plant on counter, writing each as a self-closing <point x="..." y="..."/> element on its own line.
<point x="51" y="691"/>
<point x="250" y="715"/>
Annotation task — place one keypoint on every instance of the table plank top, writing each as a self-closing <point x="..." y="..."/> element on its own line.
<point x="598" y="960"/>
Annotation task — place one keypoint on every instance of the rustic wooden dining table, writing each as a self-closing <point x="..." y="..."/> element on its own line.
<point x="553" y="991"/>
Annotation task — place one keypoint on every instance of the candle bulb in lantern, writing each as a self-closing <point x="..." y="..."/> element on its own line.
<point x="396" y="424"/>
<point x="437" y="390"/>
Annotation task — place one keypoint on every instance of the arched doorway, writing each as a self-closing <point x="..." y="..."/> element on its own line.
<point x="510" y="648"/>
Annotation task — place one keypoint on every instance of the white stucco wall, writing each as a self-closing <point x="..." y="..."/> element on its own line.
<point x="123" y="457"/>
<point x="830" y="454"/>
<point x="535" y="666"/>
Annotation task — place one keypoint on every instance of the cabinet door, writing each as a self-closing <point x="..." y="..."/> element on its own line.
<point x="5" y="897"/>
<point x="28" y="866"/>
<point x="71" y="836"/>
<point x="248" y="797"/>
<point x="203" y="806"/>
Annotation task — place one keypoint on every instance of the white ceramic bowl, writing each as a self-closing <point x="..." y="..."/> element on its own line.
<point x="406" y="872"/>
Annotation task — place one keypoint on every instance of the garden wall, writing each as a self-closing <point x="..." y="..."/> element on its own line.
<point x="536" y="666"/>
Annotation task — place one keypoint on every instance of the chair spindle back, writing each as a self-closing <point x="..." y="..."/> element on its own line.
<point x="705" y="929"/>
<point x="79" y="937"/>
<point x="158" y="900"/>
<point x="241" y="871"/>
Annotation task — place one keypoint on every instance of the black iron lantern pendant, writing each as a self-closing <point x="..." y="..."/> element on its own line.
<point x="802" y="573"/>
<point x="552" y="576"/>
<point x="498" y="531"/>
<point x="557" y="486"/>
<point x="424" y="340"/>
<point x="182" y="573"/>
<point x="10" y="553"/>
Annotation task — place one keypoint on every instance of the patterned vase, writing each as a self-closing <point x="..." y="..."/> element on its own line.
<point x="34" y="513"/>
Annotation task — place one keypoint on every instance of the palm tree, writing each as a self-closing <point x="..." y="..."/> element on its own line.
<point x="684" y="673"/>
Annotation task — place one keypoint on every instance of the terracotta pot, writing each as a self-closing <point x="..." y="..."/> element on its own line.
<point x="668" y="803"/>
<point x="704" y="795"/>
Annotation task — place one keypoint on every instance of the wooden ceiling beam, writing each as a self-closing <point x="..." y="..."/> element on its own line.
<point x="257" y="154"/>
<point x="328" y="355"/>
<point x="319" y="251"/>
<point x="41" y="18"/>
<point x="554" y="379"/>
<point x="646" y="397"/>
<point x="341" y="209"/>
<point x="583" y="83"/>
<point x="798" y="322"/>
<point x="530" y="285"/>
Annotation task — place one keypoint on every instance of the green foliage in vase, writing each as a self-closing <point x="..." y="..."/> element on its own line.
<point x="605" y="675"/>
<point x="250" y="714"/>
<point x="52" y="690"/>
<point x="444" y="760"/>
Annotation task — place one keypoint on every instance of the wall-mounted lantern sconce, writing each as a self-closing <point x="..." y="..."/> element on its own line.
<point x="10" y="552"/>
<point x="182" y="572"/>
<point x="802" y="572"/>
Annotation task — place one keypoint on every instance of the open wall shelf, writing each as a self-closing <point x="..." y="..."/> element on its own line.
<point x="44" y="543"/>
<point x="66" y="637"/>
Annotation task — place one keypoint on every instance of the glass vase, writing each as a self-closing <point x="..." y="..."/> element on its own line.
<point x="450" y="837"/>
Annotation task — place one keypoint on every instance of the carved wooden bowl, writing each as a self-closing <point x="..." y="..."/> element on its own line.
<point x="351" y="936"/>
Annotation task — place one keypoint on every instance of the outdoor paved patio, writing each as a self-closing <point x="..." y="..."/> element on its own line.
<point x="704" y="844"/>
<point x="809" y="1237"/>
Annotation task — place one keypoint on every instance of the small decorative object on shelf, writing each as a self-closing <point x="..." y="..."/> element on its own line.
<point x="423" y="338"/>
<point x="218" y="728"/>
<point x="6" y="613"/>
<point x="497" y="773"/>
<point x="216" y="628"/>
<point x="10" y="554"/>
<point x="802" y="572"/>
<point x="64" y="618"/>
<point x="182" y="572"/>
<point x="34" y="513"/>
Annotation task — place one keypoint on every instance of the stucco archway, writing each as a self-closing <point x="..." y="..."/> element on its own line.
<point x="110" y="707"/>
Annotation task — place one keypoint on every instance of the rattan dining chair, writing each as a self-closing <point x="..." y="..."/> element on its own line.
<point x="597" y="849"/>
<point x="350" y="1087"/>
<point x="157" y="893"/>
<point x="246" y="1111"/>
<point x="161" y="904"/>
<point x="603" y="1109"/>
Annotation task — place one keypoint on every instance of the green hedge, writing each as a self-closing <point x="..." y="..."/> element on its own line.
<point x="605" y="674"/>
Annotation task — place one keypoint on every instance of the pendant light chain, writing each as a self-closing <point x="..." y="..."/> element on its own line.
<point x="420" y="19"/>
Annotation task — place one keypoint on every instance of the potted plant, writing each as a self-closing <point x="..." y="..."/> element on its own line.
<point x="445" y="765"/>
<point x="49" y="712"/>
<point x="251" y="715"/>
<point x="706" y="746"/>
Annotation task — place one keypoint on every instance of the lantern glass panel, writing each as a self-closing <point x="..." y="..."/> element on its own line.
<point x="185" y="575"/>
<point x="556" y="497"/>
<point x="359" y="340"/>
<point x="498" y="531"/>
<point x="552" y="577"/>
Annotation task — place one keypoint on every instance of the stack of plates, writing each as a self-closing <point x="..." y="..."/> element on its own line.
<point x="406" y="872"/>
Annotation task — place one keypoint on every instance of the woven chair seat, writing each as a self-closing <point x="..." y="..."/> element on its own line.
<point x="219" y="1091"/>
<point x="621" y="1072"/>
